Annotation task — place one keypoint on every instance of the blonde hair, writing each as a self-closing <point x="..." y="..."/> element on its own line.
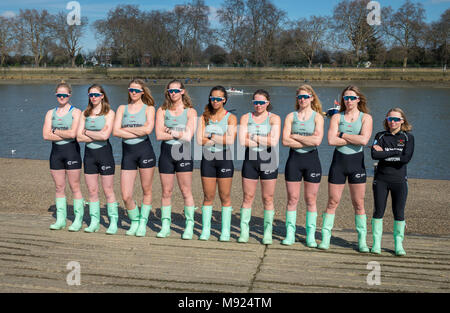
<point x="146" y="96"/>
<point x="406" y="127"/>
<point x="362" y="104"/>
<point x="63" y="83"/>
<point x="105" y="102"/>
<point x="316" y="105"/>
<point x="185" y="98"/>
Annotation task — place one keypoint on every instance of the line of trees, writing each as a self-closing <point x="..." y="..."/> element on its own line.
<point x="251" y="33"/>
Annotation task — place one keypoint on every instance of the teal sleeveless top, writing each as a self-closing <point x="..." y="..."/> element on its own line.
<point x="63" y="123"/>
<point x="218" y="128"/>
<point x="304" y="128"/>
<point x="177" y="123"/>
<point x="352" y="129"/>
<point x="134" y="120"/>
<point x="262" y="129"/>
<point x="95" y="124"/>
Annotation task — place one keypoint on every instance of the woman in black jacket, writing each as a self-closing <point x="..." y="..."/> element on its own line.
<point x="393" y="148"/>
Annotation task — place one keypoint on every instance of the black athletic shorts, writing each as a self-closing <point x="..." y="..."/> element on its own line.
<point x="260" y="165"/>
<point x="175" y="158"/>
<point x="140" y="155"/>
<point x="304" y="166"/>
<point x="66" y="156"/>
<point x="217" y="164"/>
<point x="99" y="161"/>
<point x="347" y="165"/>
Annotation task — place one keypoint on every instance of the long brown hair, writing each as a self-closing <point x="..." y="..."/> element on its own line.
<point x="316" y="105"/>
<point x="362" y="104"/>
<point x="406" y="127"/>
<point x="209" y="110"/>
<point x="105" y="102"/>
<point x="264" y="93"/>
<point x="185" y="98"/>
<point x="146" y="96"/>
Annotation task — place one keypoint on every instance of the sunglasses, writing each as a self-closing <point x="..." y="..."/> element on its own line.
<point x="393" y="119"/>
<point x="174" y="91"/>
<point x="352" y="98"/>
<point x="259" y="102"/>
<point x="131" y="90"/>
<point x="216" y="99"/>
<point x="62" y="95"/>
<point x="300" y="97"/>
<point x="94" y="94"/>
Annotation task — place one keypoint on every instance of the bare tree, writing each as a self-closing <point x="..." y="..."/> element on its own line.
<point x="309" y="35"/>
<point x="350" y="28"/>
<point x="68" y="36"/>
<point x="439" y="36"/>
<point x="7" y="37"/>
<point x="118" y="32"/>
<point x="233" y="19"/>
<point x="34" y="29"/>
<point x="198" y="23"/>
<point x="405" y="26"/>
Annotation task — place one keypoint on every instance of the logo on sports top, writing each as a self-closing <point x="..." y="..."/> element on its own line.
<point x="401" y="142"/>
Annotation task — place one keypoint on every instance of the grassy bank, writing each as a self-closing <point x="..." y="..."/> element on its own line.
<point x="267" y="73"/>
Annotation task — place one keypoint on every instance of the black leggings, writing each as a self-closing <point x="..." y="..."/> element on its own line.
<point x="399" y="193"/>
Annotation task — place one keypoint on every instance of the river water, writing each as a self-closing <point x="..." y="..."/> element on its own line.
<point x="23" y="107"/>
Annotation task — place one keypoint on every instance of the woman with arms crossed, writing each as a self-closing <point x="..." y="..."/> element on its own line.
<point x="259" y="133"/>
<point x="349" y="131"/>
<point x="303" y="133"/>
<point x="216" y="133"/>
<point x="95" y="128"/>
<point x="133" y="123"/>
<point x="393" y="148"/>
<point x="176" y="122"/>
<point x="60" y="127"/>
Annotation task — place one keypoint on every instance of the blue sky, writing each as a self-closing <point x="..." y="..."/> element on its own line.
<point x="294" y="9"/>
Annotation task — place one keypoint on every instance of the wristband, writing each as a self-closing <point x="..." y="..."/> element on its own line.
<point x="53" y="130"/>
<point x="209" y="136"/>
<point x="341" y="134"/>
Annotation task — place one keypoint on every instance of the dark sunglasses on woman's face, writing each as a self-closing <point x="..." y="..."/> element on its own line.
<point x="62" y="95"/>
<point x="131" y="90"/>
<point x="216" y="99"/>
<point x="300" y="97"/>
<point x="393" y="119"/>
<point x="352" y="98"/>
<point x="174" y="90"/>
<point x="259" y="102"/>
<point x="95" y="94"/>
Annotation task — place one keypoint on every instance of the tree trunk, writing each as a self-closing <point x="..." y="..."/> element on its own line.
<point x="405" y="61"/>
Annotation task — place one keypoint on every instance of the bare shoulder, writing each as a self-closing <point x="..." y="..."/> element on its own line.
<point x="275" y="119"/>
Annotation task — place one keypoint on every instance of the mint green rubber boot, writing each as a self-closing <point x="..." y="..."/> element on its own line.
<point x="246" y="215"/>
<point x="143" y="219"/>
<point x="226" y="223"/>
<point x="113" y="214"/>
<point x="78" y="209"/>
<point x="206" y="222"/>
<point x="399" y="235"/>
<point x="291" y="222"/>
<point x="268" y="220"/>
<point x="166" y="212"/>
<point x="327" y="226"/>
<point x="311" y="219"/>
<point x="377" y="233"/>
<point x="361" y="229"/>
<point x="134" y="216"/>
<point x="189" y="212"/>
<point x="94" y="212"/>
<point x="61" y="214"/>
